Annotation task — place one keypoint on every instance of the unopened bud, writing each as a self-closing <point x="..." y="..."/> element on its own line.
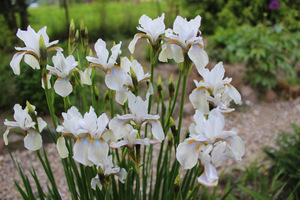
<point x="31" y="112"/>
<point x="177" y="184"/>
<point x="131" y="58"/>
<point x="171" y="87"/>
<point x="72" y="27"/>
<point x="43" y="51"/>
<point x="159" y="85"/>
<point x="173" y="127"/>
<point x="86" y="38"/>
<point x="170" y="140"/>
<point x="91" y="53"/>
<point x="76" y="35"/>
<point x="134" y="77"/>
<point x="82" y="28"/>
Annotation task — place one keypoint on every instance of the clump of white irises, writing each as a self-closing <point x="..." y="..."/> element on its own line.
<point x="93" y="140"/>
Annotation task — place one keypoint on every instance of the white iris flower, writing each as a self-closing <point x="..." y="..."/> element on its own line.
<point x="152" y="30"/>
<point x="24" y="122"/>
<point x="63" y="67"/>
<point x="31" y="51"/>
<point x="91" y="135"/>
<point x="139" y="75"/>
<point x="209" y="144"/>
<point x="138" y="116"/>
<point x="215" y="90"/>
<point x="115" y="76"/>
<point x="107" y="169"/>
<point x="184" y="39"/>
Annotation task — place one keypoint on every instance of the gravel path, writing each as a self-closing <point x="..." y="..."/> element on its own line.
<point x="256" y="124"/>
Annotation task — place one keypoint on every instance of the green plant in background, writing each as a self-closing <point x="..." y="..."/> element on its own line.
<point x="257" y="183"/>
<point x="287" y="159"/>
<point x="270" y="53"/>
<point x="231" y="13"/>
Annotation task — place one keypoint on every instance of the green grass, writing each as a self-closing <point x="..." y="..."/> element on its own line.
<point x="121" y="18"/>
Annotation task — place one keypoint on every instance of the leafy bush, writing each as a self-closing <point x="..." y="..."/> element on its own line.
<point x="287" y="159"/>
<point x="267" y="51"/>
<point x="232" y="13"/>
<point x="7" y="81"/>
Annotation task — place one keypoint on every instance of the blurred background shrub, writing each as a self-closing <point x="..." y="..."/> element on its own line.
<point x="269" y="52"/>
<point x="232" y="13"/>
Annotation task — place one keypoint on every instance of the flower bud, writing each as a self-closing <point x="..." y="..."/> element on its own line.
<point x="159" y="86"/>
<point x="71" y="28"/>
<point x="86" y="38"/>
<point x="31" y="112"/>
<point x="43" y="52"/>
<point x="134" y="77"/>
<point x="91" y="53"/>
<point x="82" y="29"/>
<point x="76" y="36"/>
<point x="170" y="140"/>
<point x="177" y="184"/>
<point x="171" y="87"/>
<point x="173" y="127"/>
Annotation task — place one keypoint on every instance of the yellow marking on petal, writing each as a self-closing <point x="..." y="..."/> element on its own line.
<point x="203" y="143"/>
<point x="201" y="87"/>
<point x="118" y="67"/>
<point x="228" y="84"/>
<point x="220" y="139"/>
<point x="128" y="120"/>
<point x="53" y="49"/>
<point x="92" y="140"/>
<point x="198" y="44"/>
<point x="78" y="139"/>
<point x="33" y="54"/>
<point x="108" y="70"/>
<point x="20" y="52"/>
<point x="66" y="134"/>
<point x="190" y="141"/>
<point x="52" y="73"/>
<point x="98" y="65"/>
<point x="102" y="139"/>
<point x="74" y="70"/>
<point x="173" y="41"/>
<point x="146" y="36"/>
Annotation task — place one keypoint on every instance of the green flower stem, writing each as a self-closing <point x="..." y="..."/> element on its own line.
<point x="94" y="102"/>
<point x="66" y="103"/>
<point x="111" y="103"/>
<point x="171" y="109"/>
<point x="49" y="100"/>
<point x="181" y="109"/>
<point x="85" y="105"/>
<point x="153" y="64"/>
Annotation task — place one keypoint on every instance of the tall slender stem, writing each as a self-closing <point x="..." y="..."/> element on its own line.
<point x="181" y="108"/>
